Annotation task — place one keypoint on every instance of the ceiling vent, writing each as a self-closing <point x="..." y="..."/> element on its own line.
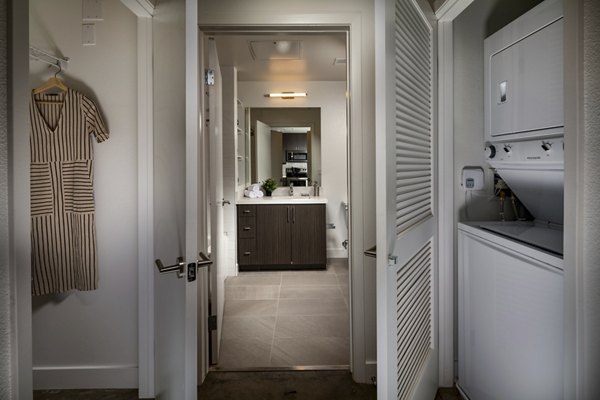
<point x="265" y="50"/>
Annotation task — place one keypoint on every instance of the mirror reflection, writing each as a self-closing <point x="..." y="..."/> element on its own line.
<point x="286" y="145"/>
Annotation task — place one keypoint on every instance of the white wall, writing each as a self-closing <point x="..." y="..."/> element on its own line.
<point x="5" y="325"/>
<point x="591" y="188"/>
<point x="89" y="339"/>
<point x="330" y="97"/>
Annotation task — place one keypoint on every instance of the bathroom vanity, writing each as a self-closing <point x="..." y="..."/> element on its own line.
<point x="276" y="233"/>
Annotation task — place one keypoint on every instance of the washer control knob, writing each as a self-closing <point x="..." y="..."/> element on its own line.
<point x="490" y="151"/>
<point x="546" y="146"/>
<point x="507" y="148"/>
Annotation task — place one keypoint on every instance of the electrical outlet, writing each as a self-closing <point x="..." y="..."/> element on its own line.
<point x="91" y="10"/>
<point x="88" y="34"/>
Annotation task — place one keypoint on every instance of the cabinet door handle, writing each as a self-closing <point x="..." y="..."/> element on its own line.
<point x="246" y="211"/>
<point x="288" y="214"/>
<point x="247" y="253"/>
<point x="293" y="215"/>
<point x="247" y="228"/>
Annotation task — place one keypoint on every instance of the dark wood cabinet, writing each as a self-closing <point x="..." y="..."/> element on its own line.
<point x="247" y="253"/>
<point x="308" y="234"/>
<point x="274" y="239"/>
<point x="281" y="236"/>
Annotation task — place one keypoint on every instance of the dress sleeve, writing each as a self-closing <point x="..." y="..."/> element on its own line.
<point x="94" y="120"/>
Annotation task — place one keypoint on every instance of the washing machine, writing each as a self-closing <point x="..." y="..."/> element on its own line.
<point x="510" y="283"/>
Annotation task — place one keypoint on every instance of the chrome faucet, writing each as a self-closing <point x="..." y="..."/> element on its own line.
<point x="291" y="189"/>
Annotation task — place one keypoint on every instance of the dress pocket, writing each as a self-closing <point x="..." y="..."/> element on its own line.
<point x="42" y="202"/>
<point x="77" y="186"/>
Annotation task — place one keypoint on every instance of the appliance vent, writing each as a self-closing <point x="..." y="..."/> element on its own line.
<point x="414" y="336"/>
<point x="414" y="116"/>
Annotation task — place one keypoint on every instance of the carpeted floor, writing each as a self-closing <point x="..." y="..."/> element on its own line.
<point x="284" y="385"/>
<point x="288" y="385"/>
<point x="86" y="394"/>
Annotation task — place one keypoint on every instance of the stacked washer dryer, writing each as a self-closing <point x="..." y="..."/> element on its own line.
<point x="510" y="282"/>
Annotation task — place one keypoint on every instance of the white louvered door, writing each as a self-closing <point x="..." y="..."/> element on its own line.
<point x="407" y="357"/>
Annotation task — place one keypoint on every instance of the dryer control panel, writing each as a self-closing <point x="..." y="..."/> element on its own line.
<point x="548" y="150"/>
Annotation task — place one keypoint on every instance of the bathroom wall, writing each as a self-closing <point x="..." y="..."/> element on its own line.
<point x="89" y="339"/>
<point x="330" y="97"/>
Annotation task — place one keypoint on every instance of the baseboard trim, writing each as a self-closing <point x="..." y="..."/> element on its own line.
<point x="371" y="369"/>
<point x="85" y="377"/>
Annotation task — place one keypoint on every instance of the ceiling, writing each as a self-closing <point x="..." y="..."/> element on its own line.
<point x="284" y="57"/>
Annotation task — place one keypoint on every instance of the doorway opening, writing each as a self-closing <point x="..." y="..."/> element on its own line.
<point x="275" y="314"/>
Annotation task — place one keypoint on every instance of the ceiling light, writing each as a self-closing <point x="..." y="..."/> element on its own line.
<point x="287" y="95"/>
<point x="283" y="46"/>
<point x="268" y="50"/>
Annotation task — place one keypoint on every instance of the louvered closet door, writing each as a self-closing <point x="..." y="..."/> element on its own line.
<point x="406" y="225"/>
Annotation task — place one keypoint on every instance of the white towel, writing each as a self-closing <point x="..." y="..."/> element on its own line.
<point x="252" y="194"/>
<point x="255" y="187"/>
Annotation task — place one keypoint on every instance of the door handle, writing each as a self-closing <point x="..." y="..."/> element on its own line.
<point x="179" y="267"/>
<point x="204" y="261"/>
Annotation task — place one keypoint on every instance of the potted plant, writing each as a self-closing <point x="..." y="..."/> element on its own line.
<point x="269" y="185"/>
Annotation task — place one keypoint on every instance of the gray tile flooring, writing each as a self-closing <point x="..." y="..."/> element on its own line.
<point x="279" y="319"/>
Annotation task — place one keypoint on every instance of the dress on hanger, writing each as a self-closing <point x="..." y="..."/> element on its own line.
<point x="63" y="228"/>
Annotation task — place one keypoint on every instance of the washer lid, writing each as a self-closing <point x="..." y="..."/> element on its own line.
<point x="535" y="234"/>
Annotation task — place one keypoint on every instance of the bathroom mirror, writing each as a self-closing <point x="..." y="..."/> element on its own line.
<point x="286" y="145"/>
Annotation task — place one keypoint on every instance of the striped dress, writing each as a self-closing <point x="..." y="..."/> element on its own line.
<point x="63" y="228"/>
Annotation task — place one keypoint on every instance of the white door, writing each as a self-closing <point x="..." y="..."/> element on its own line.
<point x="263" y="152"/>
<point x="407" y="356"/>
<point x="178" y="196"/>
<point x="214" y="123"/>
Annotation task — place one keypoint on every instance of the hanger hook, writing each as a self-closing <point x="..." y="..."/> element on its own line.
<point x="59" y="69"/>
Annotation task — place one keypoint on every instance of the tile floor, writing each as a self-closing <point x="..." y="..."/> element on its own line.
<point x="286" y="319"/>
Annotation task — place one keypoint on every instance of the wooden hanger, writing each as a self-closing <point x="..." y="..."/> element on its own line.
<point x="52" y="83"/>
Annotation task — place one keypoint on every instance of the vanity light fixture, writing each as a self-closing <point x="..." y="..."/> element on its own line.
<point x="287" y="95"/>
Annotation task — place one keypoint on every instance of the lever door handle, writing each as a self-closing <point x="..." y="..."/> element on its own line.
<point x="179" y="267"/>
<point x="204" y="261"/>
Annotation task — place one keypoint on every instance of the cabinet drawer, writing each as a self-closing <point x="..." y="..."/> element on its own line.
<point x="246" y="210"/>
<point x="247" y="251"/>
<point x="246" y="227"/>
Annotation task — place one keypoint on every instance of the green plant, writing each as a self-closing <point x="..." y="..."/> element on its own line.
<point x="269" y="184"/>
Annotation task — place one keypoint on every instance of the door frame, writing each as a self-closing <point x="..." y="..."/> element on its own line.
<point x="352" y="25"/>
<point x="18" y="243"/>
<point x="445" y="16"/>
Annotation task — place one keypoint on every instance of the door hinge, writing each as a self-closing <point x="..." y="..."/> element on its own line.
<point x="209" y="77"/>
<point x="212" y="323"/>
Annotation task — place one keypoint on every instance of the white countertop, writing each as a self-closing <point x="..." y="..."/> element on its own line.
<point x="283" y="200"/>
